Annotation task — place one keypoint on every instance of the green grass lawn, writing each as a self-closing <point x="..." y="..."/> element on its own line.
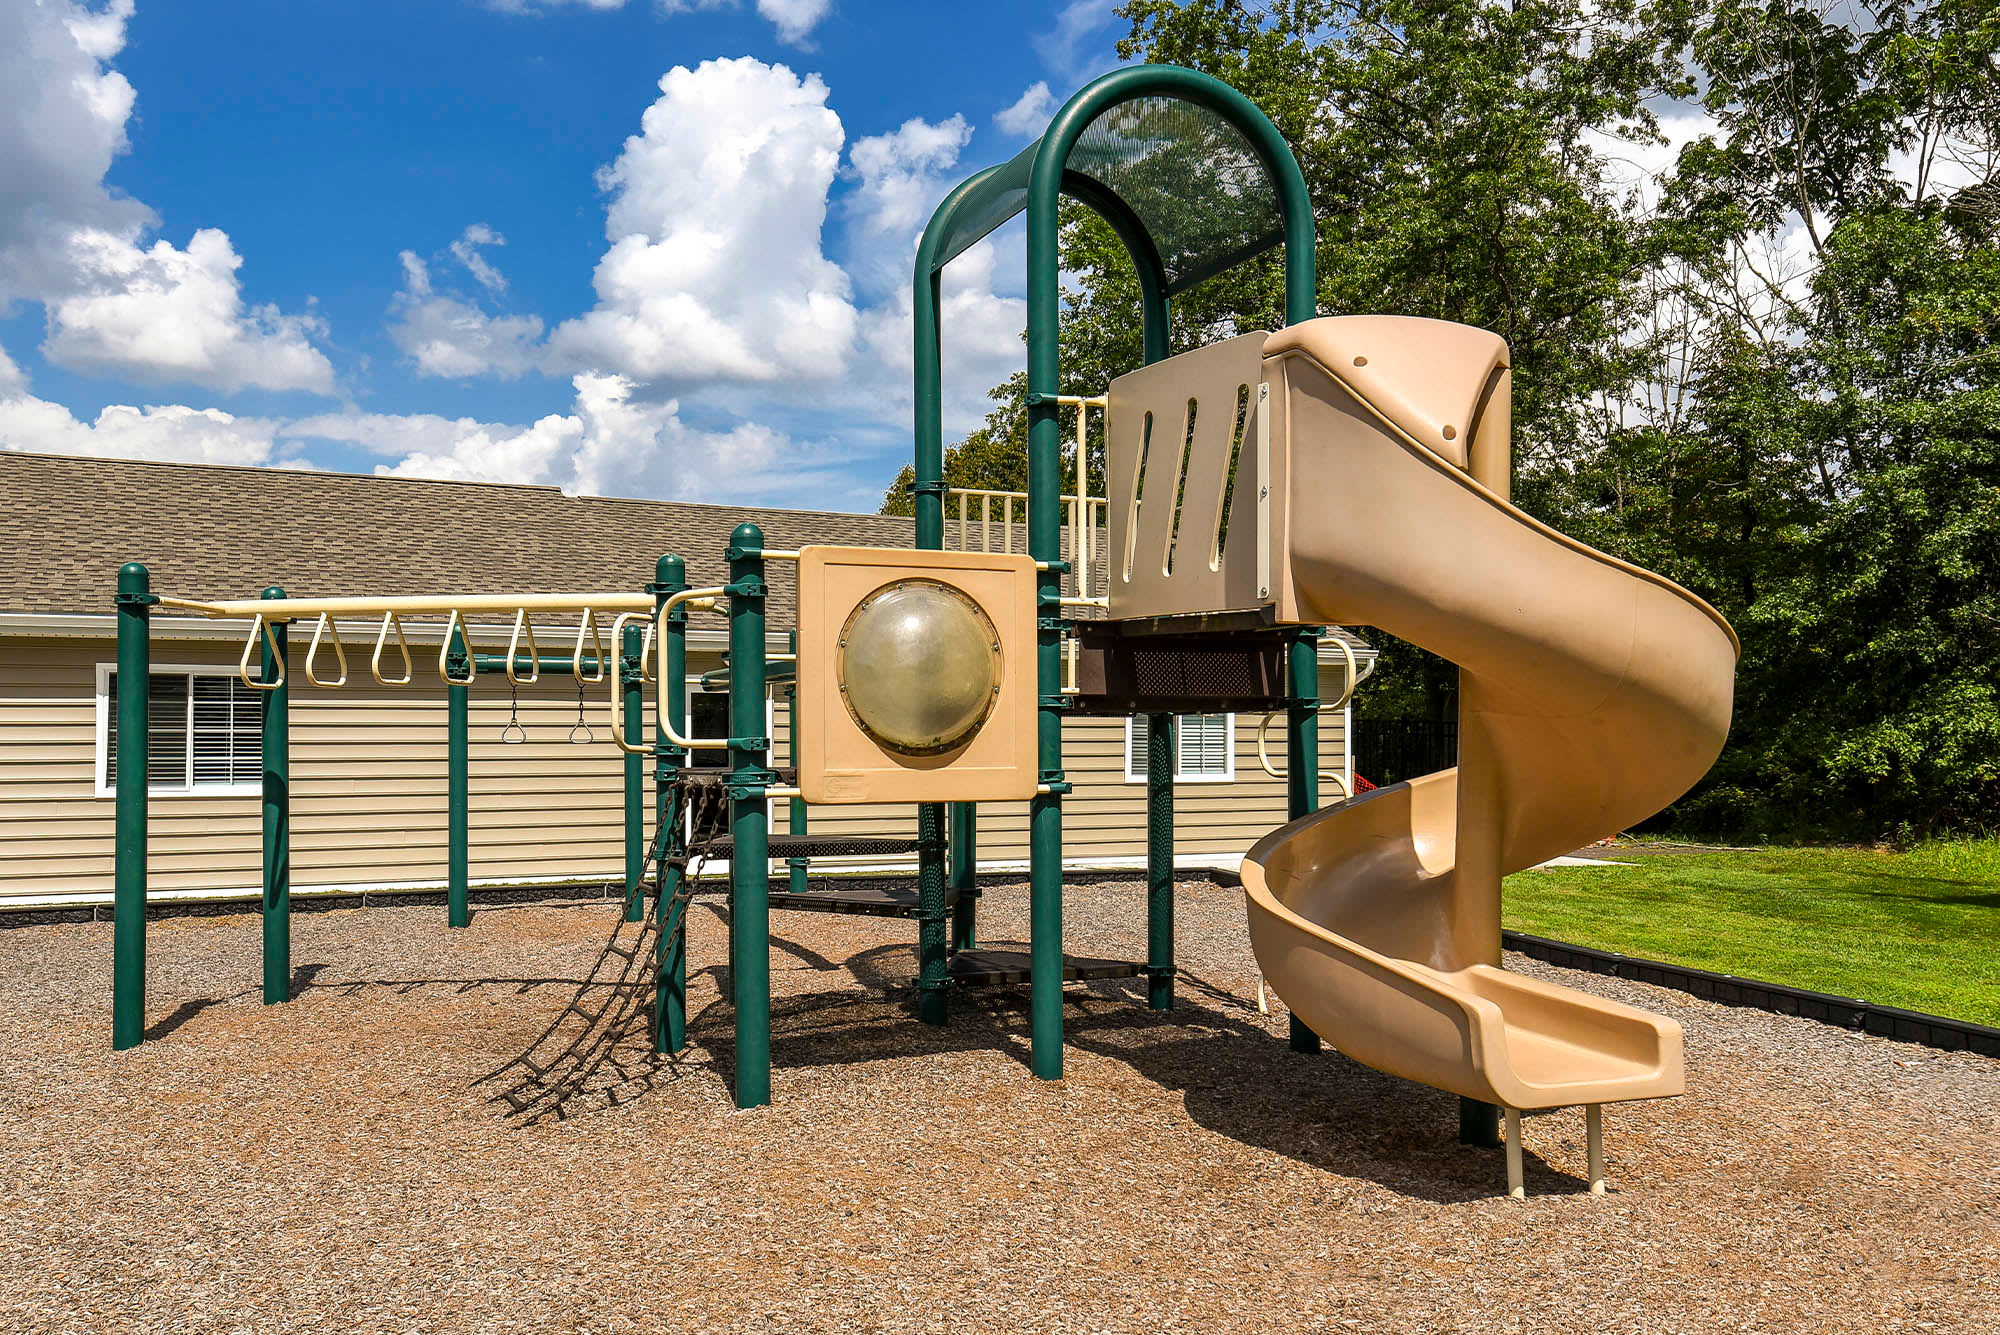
<point x="1919" y="929"/>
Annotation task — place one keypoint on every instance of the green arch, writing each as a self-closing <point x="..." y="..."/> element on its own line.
<point x="1033" y="181"/>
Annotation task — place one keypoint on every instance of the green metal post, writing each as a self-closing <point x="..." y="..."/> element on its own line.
<point x="1302" y="762"/>
<point x="670" y="971"/>
<point x="458" y="786"/>
<point x="797" y="824"/>
<point x="749" y="861"/>
<point x="128" y="933"/>
<point x="1045" y="952"/>
<point x="1160" y="861"/>
<point x="933" y="920"/>
<point x="277" y="814"/>
<point x="631" y="675"/>
<point x="964" y="850"/>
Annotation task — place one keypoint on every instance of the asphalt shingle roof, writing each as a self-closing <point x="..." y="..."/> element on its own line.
<point x="68" y="523"/>
<point x="208" y="532"/>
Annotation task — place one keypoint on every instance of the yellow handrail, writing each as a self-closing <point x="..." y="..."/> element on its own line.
<point x="381" y="642"/>
<point x="324" y="628"/>
<point x="660" y="620"/>
<point x="1346" y="694"/>
<point x="699" y="598"/>
<point x="645" y="641"/>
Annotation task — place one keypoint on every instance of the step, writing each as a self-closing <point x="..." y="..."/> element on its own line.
<point x="825" y="845"/>
<point x="985" y="968"/>
<point x="873" y="901"/>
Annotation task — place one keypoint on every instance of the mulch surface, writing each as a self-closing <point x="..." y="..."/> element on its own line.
<point x="340" y="1164"/>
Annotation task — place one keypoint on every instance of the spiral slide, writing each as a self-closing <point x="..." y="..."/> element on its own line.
<point x="1592" y="694"/>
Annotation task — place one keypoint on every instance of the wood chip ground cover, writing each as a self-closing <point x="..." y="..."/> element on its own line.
<point x="337" y="1164"/>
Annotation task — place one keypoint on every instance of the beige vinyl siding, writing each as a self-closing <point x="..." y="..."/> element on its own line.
<point x="369" y="781"/>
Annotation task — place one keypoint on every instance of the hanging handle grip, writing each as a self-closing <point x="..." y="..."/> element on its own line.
<point x="261" y="628"/>
<point x="523" y="625"/>
<point x="389" y="620"/>
<point x="587" y="632"/>
<point x="324" y="628"/>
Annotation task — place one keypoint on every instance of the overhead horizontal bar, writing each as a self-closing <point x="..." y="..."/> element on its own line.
<point x="291" y="609"/>
<point x="547" y="662"/>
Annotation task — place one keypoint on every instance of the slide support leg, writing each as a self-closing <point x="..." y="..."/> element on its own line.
<point x="797" y="818"/>
<point x="1593" y="1123"/>
<point x="1302" y="761"/>
<point x="964" y="846"/>
<point x="1516" y="1183"/>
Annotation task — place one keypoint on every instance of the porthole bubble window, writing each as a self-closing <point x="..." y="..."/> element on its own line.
<point x="919" y="666"/>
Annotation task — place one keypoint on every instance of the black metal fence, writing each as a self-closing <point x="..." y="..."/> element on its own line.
<point x="1390" y="750"/>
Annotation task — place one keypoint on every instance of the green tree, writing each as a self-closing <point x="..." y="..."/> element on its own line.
<point x="1446" y="146"/>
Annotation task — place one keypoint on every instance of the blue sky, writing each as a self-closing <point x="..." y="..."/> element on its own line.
<point x="657" y="247"/>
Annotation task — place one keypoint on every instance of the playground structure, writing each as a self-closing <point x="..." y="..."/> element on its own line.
<point x="1345" y="470"/>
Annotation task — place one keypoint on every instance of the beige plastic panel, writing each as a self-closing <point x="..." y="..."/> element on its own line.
<point x="840" y="763"/>
<point x="1592" y="694"/>
<point x="1166" y="488"/>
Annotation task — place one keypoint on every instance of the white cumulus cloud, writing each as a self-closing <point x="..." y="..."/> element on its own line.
<point x="165" y="314"/>
<point x="1029" y="113"/>
<point x="446" y="335"/>
<point x="716" y="267"/>
<point x="613" y="442"/>
<point x="794" y="19"/>
<point x="115" y="304"/>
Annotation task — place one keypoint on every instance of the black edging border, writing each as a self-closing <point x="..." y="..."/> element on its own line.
<point x="1932" y="1031"/>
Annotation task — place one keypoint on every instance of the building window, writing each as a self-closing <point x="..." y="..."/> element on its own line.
<point x="1205" y="746"/>
<point x="708" y="716"/>
<point x="205" y="732"/>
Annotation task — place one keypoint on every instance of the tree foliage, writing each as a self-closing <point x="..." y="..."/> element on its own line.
<point x="1766" y="370"/>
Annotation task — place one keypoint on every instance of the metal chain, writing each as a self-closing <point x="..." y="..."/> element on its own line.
<point x="511" y="732"/>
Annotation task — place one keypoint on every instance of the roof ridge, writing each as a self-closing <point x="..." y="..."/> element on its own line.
<point x="272" y="469"/>
<point x="543" y="487"/>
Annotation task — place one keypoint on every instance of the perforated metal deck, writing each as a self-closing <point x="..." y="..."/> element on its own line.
<point x="984" y="968"/>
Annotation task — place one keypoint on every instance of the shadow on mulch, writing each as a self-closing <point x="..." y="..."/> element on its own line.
<point x="302" y="978"/>
<point x="1236" y="1079"/>
<point x="1325" y="1111"/>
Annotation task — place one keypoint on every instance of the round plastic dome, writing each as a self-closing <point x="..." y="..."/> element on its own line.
<point x="919" y="666"/>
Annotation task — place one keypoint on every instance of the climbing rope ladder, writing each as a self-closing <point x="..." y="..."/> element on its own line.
<point x="599" y="1048"/>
